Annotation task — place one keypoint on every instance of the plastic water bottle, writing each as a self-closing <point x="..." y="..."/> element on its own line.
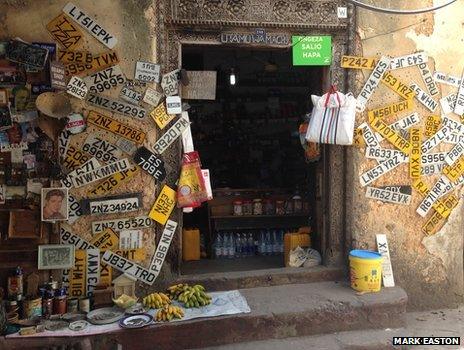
<point x="275" y="243"/>
<point x="268" y="243"/>
<point x="231" y="250"/>
<point x="218" y="247"/>
<point x="238" y="246"/>
<point x="251" y="245"/>
<point x="281" y="241"/>
<point x="262" y="244"/>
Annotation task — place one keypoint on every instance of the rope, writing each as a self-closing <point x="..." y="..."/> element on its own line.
<point x="400" y="12"/>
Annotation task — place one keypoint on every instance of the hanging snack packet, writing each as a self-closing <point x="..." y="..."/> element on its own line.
<point x="191" y="190"/>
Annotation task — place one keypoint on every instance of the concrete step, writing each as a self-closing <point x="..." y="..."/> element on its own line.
<point x="264" y="278"/>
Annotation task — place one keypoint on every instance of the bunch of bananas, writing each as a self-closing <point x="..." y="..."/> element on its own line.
<point x="156" y="300"/>
<point x="194" y="296"/>
<point x="169" y="312"/>
<point x="175" y="290"/>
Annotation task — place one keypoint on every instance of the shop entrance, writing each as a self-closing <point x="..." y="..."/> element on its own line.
<point x="264" y="183"/>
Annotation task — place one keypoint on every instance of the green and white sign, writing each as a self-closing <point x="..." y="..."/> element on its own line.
<point x="312" y="50"/>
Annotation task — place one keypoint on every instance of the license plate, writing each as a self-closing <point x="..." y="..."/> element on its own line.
<point x="171" y="135"/>
<point x="27" y="54"/>
<point x="381" y="169"/>
<point x="77" y="88"/>
<point x="432" y="196"/>
<point x="116" y="106"/>
<point x="58" y="79"/>
<point x="357" y="62"/>
<point x="409" y="60"/>
<point x="433" y="158"/>
<point x="173" y="105"/>
<point x="160" y="116"/>
<point x="428" y="79"/>
<point x="116" y="127"/>
<point x="394" y="138"/>
<point x="147" y="72"/>
<point x="163" y="247"/>
<point x="99" y="62"/>
<point x="152" y="97"/>
<point x="382" y="154"/>
<point x="113" y="182"/>
<point x="448" y="103"/>
<point x="433" y="224"/>
<point x="164" y="205"/>
<point x="397" y="86"/>
<point x="67" y="237"/>
<point x="8" y="147"/>
<point x="100" y="173"/>
<point x="432" y="169"/>
<point x="90" y="25"/>
<point x="454" y="138"/>
<point x="74" y="210"/>
<point x="65" y="32"/>
<point x="432" y="124"/>
<point x="105" y="79"/>
<point x="443" y="78"/>
<point x="452" y="185"/>
<point x="424" y="98"/>
<point x="368" y="135"/>
<point x="459" y="108"/>
<point x="170" y="83"/>
<point x="404" y="189"/>
<point x="406" y="122"/>
<point x="372" y="82"/>
<point x="112" y="204"/>
<point x="151" y="163"/>
<point x="105" y="240"/>
<point x="387" y="271"/>
<point x="122" y="224"/>
<point x="130" y="239"/>
<point x="130" y="96"/>
<point x="415" y="155"/>
<point x="456" y="127"/>
<point x="93" y="270"/>
<point x="101" y="149"/>
<point x="77" y="281"/>
<point x="453" y="172"/>
<point x="455" y="153"/>
<point x="70" y="56"/>
<point x="126" y="266"/>
<point x="387" y="196"/>
<point x="106" y="274"/>
<point x="74" y="158"/>
<point x="392" y="109"/>
<point x="91" y="164"/>
<point x="126" y="146"/>
<point x="137" y="255"/>
<point x="436" y="139"/>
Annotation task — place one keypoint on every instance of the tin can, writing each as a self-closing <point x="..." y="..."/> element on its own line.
<point x="84" y="305"/>
<point x="47" y="307"/>
<point x="238" y="208"/>
<point x="280" y="208"/>
<point x="33" y="308"/>
<point x="247" y="207"/>
<point x="72" y="305"/>
<point x="257" y="207"/>
<point x="59" y="305"/>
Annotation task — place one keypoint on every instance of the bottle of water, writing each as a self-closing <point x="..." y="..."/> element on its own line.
<point x="238" y="246"/>
<point x="231" y="246"/>
<point x="262" y="244"/>
<point x="251" y="245"/>
<point x="281" y="241"/>
<point x="218" y="246"/>
<point x="268" y="243"/>
<point x="275" y="243"/>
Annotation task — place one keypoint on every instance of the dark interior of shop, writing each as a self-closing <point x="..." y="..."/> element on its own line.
<point x="248" y="137"/>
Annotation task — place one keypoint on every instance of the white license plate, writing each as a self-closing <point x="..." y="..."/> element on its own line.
<point x="126" y="266"/>
<point x="456" y="127"/>
<point x="383" y="154"/>
<point x="454" y="138"/>
<point x="409" y="60"/>
<point x="436" y="139"/>
<point x="381" y="169"/>
<point x="424" y="98"/>
<point x="170" y="83"/>
<point x="77" y="88"/>
<point x="67" y="237"/>
<point x="122" y="224"/>
<point x="74" y="210"/>
<point x="100" y="173"/>
<point x="387" y="271"/>
<point x="89" y="165"/>
<point x="131" y="96"/>
<point x="63" y="142"/>
<point x="455" y="153"/>
<point x="171" y="135"/>
<point x="8" y="147"/>
<point x="105" y="79"/>
<point x="459" y="107"/>
<point x="110" y="206"/>
<point x="173" y="105"/>
<point x="431" y="197"/>
<point x="372" y="82"/>
<point x="443" y="78"/>
<point x="116" y="106"/>
<point x="368" y="135"/>
<point x="406" y="122"/>
<point x="428" y="79"/>
<point x="130" y="239"/>
<point x="126" y="146"/>
<point x="101" y="149"/>
<point x="432" y="169"/>
<point x="448" y="103"/>
<point x="163" y="247"/>
<point x="433" y="158"/>
<point x="388" y="196"/>
<point x="147" y="72"/>
<point x="152" y="97"/>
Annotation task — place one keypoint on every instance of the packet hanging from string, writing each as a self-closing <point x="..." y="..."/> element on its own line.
<point x="191" y="190"/>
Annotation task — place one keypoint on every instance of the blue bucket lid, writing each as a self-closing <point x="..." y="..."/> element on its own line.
<point x="365" y="254"/>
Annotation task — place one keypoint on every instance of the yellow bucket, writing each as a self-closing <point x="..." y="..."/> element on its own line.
<point x="365" y="270"/>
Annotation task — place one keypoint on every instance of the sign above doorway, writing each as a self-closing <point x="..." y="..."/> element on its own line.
<point x="312" y="50"/>
<point x="259" y="36"/>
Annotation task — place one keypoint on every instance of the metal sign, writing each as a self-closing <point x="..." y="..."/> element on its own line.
<point x="151" y="163"/>
<point x="116" y="127"/>
<point x="455" y="153"/>
<point x="372" y="82"/>
<point x="404" y="189"/>
<point x="74" y="209"/>
<point x="452" y="185"/>
<point x="436" y="139"/>
<point x="432" y="124"/>
<point x="90" y="25"/>
<point x="406" y="122"/>
<point x="432" y="169"/>
<point x="201" y="86"/>
<point x="74" y="158"/>
<point x="122" y="224"/>
<point x="57" y="76"/>
<point x="70" y="56"/>
<point x="77" y="282"/>
<point x="454" y="138"/>
<point x="105" y="79"/>
<point x="126" y="146"/>
<point x="259" y="36"/>
<point x="116" y="106"/>
<point x="113" y="182"/>
<point x="112" y="204"/>
<point x="101" y="149"/>
<point x="368" y="135"/>
<point x="105" y="240"/>
<point x="161" y="117"/>
<point x="152" y="97"/>
<point x="428" y="79"/>
<point x="77" y="88"/>
<point x="20" y="52"/>
<point x="448" y="103"/>
<point x="163" y="247"/>
<point x="388" y="196"/>
<point x="130" y="239"/>
<point x="382" y="154"/>
<point x="99" y="62"/>
<point x="453" y="172"/>
<point x="9" y="147"/>
<point x="456" y="127"/>
<point x="381" y="169"/>
<point x="147" y="72"/>
<point x="65" y="32"/>
<point x="126" y="266"/>
<point x="106" y="274"/>
<point x="171" y="135"/>
<point x="442" y="208"/>
<point x="443" y="78"/>
<point x="89" y="165"/>
<point x="67" y="237"/>
<point x="394" y="138"/>
<point x="100" y="173"/>
<point x="164" y="205"/>
<point x="459" y="107"/>
<point x="137" y="255"/>
<point x="409" y="60"/>
<point x="391" y="109"/>
<point x="433" y="158"/>
<point x="432" y="196"/>
<point x="415" y="155"/>
<point x="433" y="224"/>
<point x="312" y="50"/>
<point x="170" y="83"/>
<point x="387" y="271"/>
<point x="173" y="105"/>
<point x="130" y="96"/>
<point x="187" y="139"/>
<point x="76" y="123"/>
<point x="357" y="62"/>
<point x="397" y="86"/>
<point x="93" y="270"/>
<point x="424" y="98"/>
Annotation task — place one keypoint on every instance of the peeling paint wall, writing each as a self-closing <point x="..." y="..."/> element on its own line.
<point x="429" y="268"/>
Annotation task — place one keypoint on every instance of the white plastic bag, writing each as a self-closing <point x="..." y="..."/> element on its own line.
<point x="332" y="119"/>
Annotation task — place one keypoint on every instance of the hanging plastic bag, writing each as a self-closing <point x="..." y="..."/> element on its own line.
<point x="191" y="190"/>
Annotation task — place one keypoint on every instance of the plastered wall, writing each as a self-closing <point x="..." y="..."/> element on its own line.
<point x="429" y="268"/>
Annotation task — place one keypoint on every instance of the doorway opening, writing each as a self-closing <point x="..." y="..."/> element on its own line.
<point x="265" y="184"/>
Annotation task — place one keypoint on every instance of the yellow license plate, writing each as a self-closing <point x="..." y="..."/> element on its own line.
<point x="433" y="224"/>
<point x="161" y="117"/>
<point x="416" y="153"/>
<point x="107" y="239"/>
<point x="394" y="138"/>
<point x="65" y="32"/>
<point x="394" y="108"/>
<point x="453" y="172"/>
<point x="118" y="128"/>
<point x="137" y="255"/>
<point x="114" y="181"/>
<point x="99" y="62"/>
<point x="443" y="208"/>
<point x="69" y="56"/>
<point x="106" y="274"/>
<point x="163" y="206"/>
<point x="358" y="139"/>
<point x="74" y="158"/>
<point x="77" y="274"/>
<point x="432" y="124"/>
<point x="421" y="187"/>
<point x="397" y="86"/>
<point x="357" y="62"/>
